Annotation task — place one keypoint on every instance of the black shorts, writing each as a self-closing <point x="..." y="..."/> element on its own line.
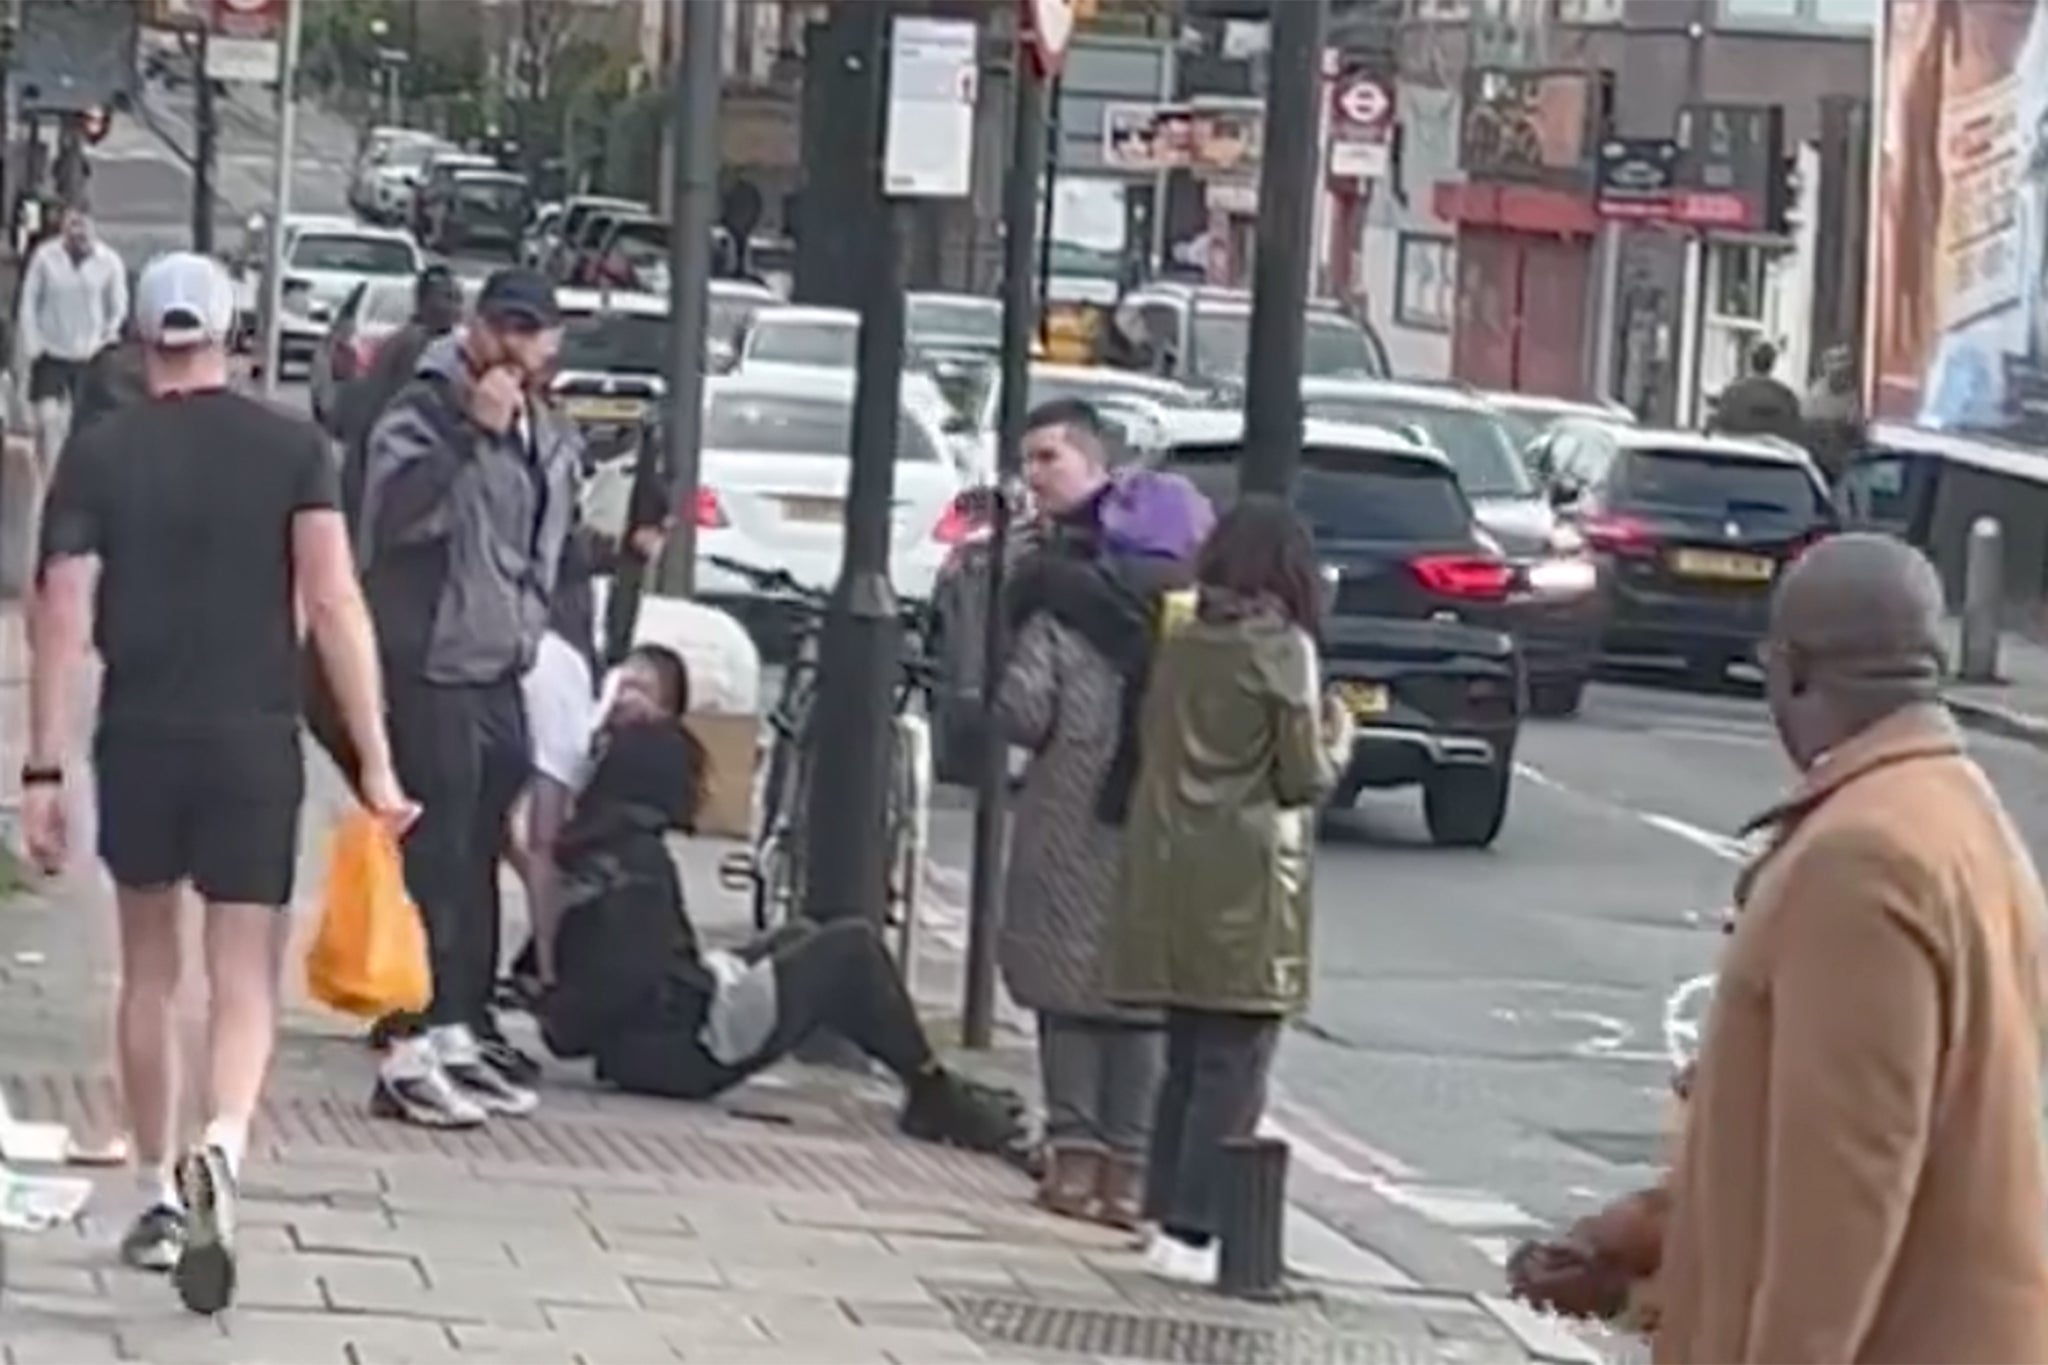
<point x="218" y="809"/>
<point x="50" y="377"/>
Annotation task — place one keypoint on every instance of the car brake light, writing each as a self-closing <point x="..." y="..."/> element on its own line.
<point x="1470" y="576"/>
<point x="1617" y="535"/>
<point x="365" y="348"/>
<point x="964" y="519"/>
<point x="1805" y="542"/>
<point x="710" y="512"/>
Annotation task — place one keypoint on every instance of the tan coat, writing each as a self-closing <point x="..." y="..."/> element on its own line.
<point x="1861" y="1175"/>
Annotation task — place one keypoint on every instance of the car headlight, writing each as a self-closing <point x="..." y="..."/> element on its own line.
<point x="1563" y="576"/>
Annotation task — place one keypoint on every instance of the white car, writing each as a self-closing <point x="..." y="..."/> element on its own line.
<point x="388" y="174"/>
<point x="325" y="258"/>
<point x="777" y="459"/>
<point x="734" y="304"/>
<point x="1128" y="399"/>
<point x="799" y="336"/>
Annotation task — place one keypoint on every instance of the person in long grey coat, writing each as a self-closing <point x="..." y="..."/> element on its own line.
<point x="1100" y="1064"/>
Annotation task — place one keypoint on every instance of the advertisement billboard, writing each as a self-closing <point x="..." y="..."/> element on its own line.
<point x="1958" y="334"/>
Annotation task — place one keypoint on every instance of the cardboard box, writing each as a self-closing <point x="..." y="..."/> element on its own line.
<point x="732" y="748"/>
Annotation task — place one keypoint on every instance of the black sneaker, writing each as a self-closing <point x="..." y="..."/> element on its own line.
<point x="428" y="1100"/>
<point x="508" y="1061"/>
<point x="950" y="1109"/>
<point x="205" y="1272"/>
<point x="155" y="1240"/>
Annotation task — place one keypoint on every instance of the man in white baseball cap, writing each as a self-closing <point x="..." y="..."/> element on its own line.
<point x="184" y="536"/>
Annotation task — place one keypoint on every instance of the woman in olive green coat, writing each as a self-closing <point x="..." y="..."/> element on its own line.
<point x="1237" y="748"/>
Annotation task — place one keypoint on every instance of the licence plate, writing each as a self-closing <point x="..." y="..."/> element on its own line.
<point x="605" y="409"/>
<point x="1365" y="701"/>
<point x="819" y="510"/>
<point x="1717" y="564"/>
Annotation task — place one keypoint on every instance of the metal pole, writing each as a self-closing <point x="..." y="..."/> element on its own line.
<point x="272" y="353"/>
<point x="694" y="141"/>
<point x="859" y="650"/>
<point x="204" y="143"/>
<point x="1027" y="147"/>
<point x="1287" y="188"/>
<point x="1050" y="141"/>
<point x="1983" y="572"/>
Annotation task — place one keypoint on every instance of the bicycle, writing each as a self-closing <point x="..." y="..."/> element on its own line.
<point x="771" y="868"/>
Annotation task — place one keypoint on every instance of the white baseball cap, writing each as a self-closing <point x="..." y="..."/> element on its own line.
<point x="184" y="299"/>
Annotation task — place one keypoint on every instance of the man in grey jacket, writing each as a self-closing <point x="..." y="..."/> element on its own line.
<point x="469" y="490"/>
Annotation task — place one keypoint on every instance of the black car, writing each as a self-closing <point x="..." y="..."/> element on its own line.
<point x="480" y="209"/>
<point x="1688" y="532"/>
<point x="1416" y="639"/>
<point x="1554" y="610"/>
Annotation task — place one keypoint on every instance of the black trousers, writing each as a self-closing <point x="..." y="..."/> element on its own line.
<point x="838" y="978"/>
<point x="1217" y="1067"/>
<point x="462" y="753"/>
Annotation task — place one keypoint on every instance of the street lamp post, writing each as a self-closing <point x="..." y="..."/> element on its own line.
<point x="859" y="649"/>
<point x="1288" y="192"/>
<point x="272" y="352"/>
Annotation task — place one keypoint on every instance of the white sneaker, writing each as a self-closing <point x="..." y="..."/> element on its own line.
<point x="412" y="1087"/>
<point x="460" y="1057"/>
<point x="1172" y="1259"/>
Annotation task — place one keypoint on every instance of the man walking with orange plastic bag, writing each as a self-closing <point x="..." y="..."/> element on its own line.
<point x="185" y="536"/>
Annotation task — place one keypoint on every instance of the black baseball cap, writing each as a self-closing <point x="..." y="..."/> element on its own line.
<point x="519" y="298"/>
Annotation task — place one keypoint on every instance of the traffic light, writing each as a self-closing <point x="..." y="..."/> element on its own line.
<point x="93" y="124"/>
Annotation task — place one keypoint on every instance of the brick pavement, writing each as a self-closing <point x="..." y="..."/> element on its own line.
<point x="787" y="1223"/>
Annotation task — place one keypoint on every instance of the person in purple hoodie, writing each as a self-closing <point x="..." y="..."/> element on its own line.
<point x="1084" y="612"/>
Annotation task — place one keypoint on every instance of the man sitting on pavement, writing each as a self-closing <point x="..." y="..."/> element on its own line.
<point x="1859" y="1177"/>
<point x="634" y="991"/>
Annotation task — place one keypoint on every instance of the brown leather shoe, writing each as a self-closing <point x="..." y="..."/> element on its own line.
<point x="1072" y="1174"/>
<point x="1120" y="1192"/>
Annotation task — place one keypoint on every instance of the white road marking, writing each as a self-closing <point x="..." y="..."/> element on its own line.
<point x="1721" y="845"/>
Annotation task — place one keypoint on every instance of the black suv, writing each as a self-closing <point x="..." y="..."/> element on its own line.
<point x="1416" y="639"/>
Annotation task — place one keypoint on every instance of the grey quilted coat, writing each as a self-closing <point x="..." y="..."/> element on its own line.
<point x="1059" y="700"/>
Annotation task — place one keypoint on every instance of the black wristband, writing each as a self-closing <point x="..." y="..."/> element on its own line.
<point x="32" y="776"/>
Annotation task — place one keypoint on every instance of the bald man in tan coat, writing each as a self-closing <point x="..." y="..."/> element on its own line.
<point x="1861" y="1173"/>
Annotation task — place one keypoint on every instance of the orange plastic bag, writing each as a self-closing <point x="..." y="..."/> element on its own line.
<point x="370" y="956"/>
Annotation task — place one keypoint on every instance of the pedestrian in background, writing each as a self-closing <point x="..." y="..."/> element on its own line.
<point x="436" y="309"/>
<point x="74" y="300"/>
<point x="1237" y="749"/>
<point x="1860" y="1174"/>
<point x="1758" y="404"/>
<point x="469" y="493"/>
<point x="1084" y="609"/>
<point x="186" y="537"/>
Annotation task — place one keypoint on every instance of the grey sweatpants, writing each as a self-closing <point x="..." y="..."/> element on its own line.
<point x="1215" y="1090"/>
<point x="1100" y="1078"/>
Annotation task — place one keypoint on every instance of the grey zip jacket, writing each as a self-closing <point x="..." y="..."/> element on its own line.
<point x="461" y="531"/>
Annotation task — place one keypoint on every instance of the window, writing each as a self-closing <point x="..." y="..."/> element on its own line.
<point x="1589" y="11"/>
<point x="620" y="343"/>
<point x="956" y="320"/>
<point x="1740" y="276"/>
<point x="1723" y="485"/>
<point x="353" y="255"/>
<point x="828" y="344"/>
<point x="1426" y="282"/>
<point x="1348" y="494"/>
<point x="774" y="424"/>
<point x="1478" y="443"/>
<point x="1842" y="15"/>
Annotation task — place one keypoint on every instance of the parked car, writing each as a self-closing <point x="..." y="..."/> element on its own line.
<point x="613" y="366"/>
<point x="540" y="236"/>
<point x="325" y="258"/>
<point x="1127" y="399"/>
<point x="387" y="172"/>
<point x="482" y="209"/>
<point x="372" y="311"/>
<point x="437" y="185"/>
<point x="576" y="215"/>
<point x="1554" y="609"/>
<point x="777" y="458"/>
<point x="801" y="336"/>
<point x="1529" y="415"/>
<point x="586" y="248"/>
<point x="733" y="304"/>
<point x="1688" y="533"/>
<point x="633" y="254"/>
<point x="1202" y="337"/>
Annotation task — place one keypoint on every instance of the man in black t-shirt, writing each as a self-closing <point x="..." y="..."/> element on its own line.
<point x="185" y="537"/>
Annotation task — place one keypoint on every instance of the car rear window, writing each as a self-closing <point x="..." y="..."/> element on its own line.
<point x="1346" y="494"/>
<point x="810" y="342"/>
<point x="1479" y="444"/>
<point x="1694" y="481"/>
<point x="623" y="343"/>
<point x="775" y="424"/>
<point x="353" y="255"/>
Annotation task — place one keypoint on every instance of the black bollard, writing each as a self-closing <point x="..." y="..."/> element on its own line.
<point x="1251" y="1213"/>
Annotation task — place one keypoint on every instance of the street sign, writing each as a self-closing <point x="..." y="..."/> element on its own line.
<point x="1636" y="178"/>
<point x="245" y="40"/>
<point x="1731" y="171"/>
<point x="1048" y="28"/>
<point x="933" y="77"/>
<point x="1361" y="126"/>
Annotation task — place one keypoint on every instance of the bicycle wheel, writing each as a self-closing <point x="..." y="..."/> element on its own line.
<point x="779" y="833"/>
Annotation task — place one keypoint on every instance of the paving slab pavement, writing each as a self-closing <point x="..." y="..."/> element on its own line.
<point x="786" y="1223"/>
